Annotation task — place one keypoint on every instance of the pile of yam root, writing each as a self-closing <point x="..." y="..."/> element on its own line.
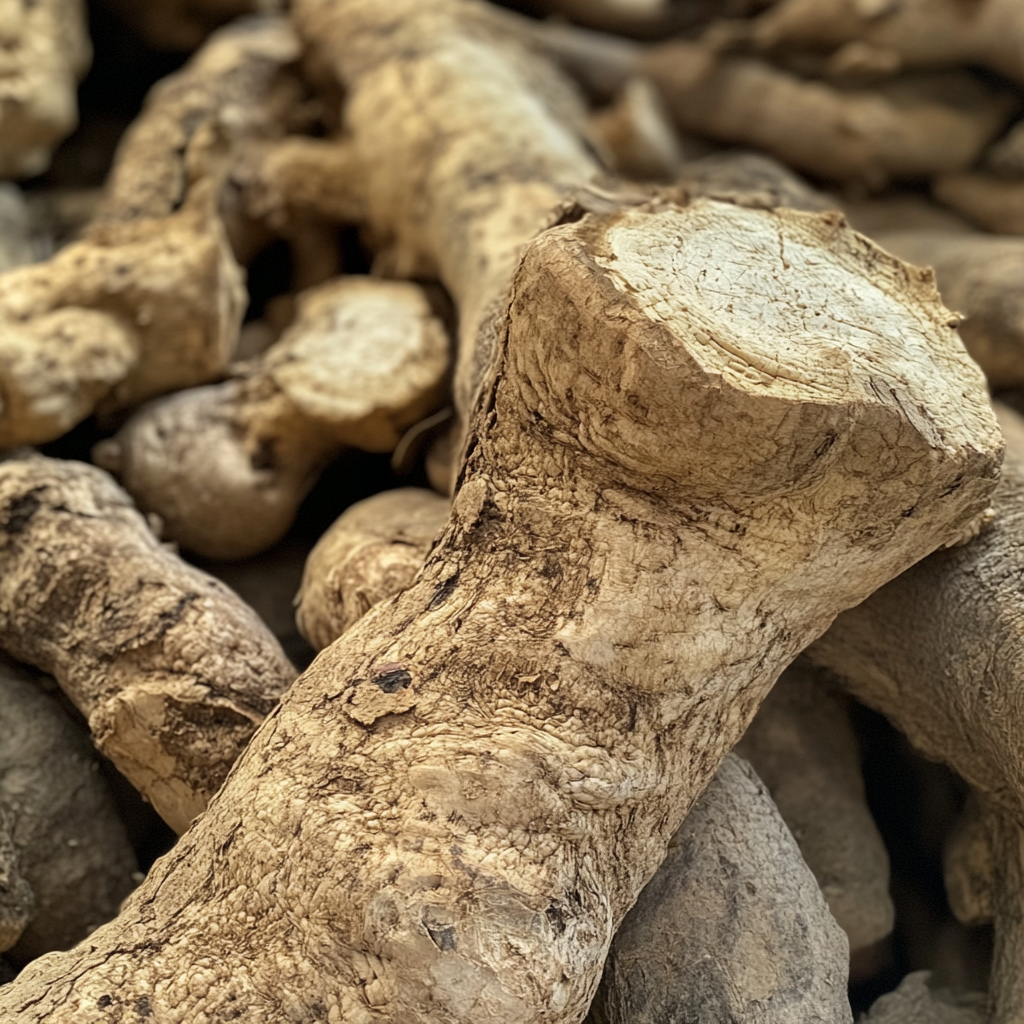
<point x="512" y="513"/>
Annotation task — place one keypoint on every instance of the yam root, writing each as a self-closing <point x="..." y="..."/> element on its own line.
<point x="504" y="751"/>
<point x="172" y="671"/>
<point x="978" y="276"/>
<point x="803" y="747"/>
<point x="226" y="467"/>
<point x="732" y="927"/>
<point x="939" y="652"/>
<point x="912" y="128"/>
<point x="373" y="551"/>
<point x="44" y="52"/>
<point x="69" y="844"/>
<point x="151" y="298"/>
<point x="916" y="33"/>
<point x="917" y="1002"/>
<point x="988" y="200"/>
<point x="967" y="866"/>
<point x="472" y="142"/>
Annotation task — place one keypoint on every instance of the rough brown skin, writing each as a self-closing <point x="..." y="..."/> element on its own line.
<point x="938" y="651"/>
<point x="373" y="551"/>
<point x="916" y="1002"/>
<point x="172" y="671"/>
<point x="70" y="846"/>
<point x="151" y="298"/>
<point x="732" y="927"/>
<point x="503" y="752"/>
<point x="980" y="277"/>
<point x="226" y="467"/>
<point x="916" y="33"/>
<point x="988" y="200"/>
<point x="44" y="52"/>
<point x="912" y="128"/>
<point x="802" y="745"/>
<point x="17" y="901"/>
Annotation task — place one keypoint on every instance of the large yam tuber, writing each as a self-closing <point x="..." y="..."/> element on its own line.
<point x="470" y="140"/>
<point x="370" y="553"/>
<point x="980" y="277"/>
<point x="172" y="671"/>
<point x="69" y="845"/>
<point x="500" y="755"/>
<point x="990" y="201"/>
<point x="44" y="51"/>
<point x="731" y="928"/>
<point x="226" y="467"/>
<point x="916" y="33"/>
<point x="911" y="128"/>
<point x="939" y="651"/>
<point x="916" y="1001"/>
<point x="151" y="298"/>
<point x="17" y="901"/>
<point x="802" y="745"/>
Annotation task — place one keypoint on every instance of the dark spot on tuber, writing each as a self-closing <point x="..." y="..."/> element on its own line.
<point x="391" y="680"/>
<point x="443" y="936"/>
<point x="142" y="1007"/>
<point x="442" y="592"/>
<point x="103" y="1002"/>
<point x="20" y="512"/>
<point x="555" y="919"/>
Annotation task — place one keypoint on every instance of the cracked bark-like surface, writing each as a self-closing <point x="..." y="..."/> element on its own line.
<point x="451" y="811"/>
<point x="171" y="669"/>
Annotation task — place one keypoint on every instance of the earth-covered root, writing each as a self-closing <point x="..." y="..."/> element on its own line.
<point x="917" y="1002"/>
<point x="732" y="927"/>
<point x="172" y="671"/>
<point x="912" y="34"/>
<point x="62" y="831"/>
<point x="500" y="755"/>
<point x="802" y="745"/>
<point x="909" y="128"/>
<point x="150" y="298"/>
<point x="938" y="651"/>
<point x="978" y="276"/>
<point x="226" y="467"/>
<point x="474" y="141"/>
<point x="44" y="52"/>
<point x="371" y="552"/>
<point x="988" y="200"/>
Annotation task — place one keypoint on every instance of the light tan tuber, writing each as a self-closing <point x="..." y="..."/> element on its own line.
<point x="731" y="928"/>
<point x="171" y="669"/>
<point x="802" y="745"/>
<point x="225" y="467"/>
<point x="63" y="833"/>
<point x="44" y="52"/>
<point x="499" y="756"/>
<point x="372" y="552"/>
<point x="151" y="298"/>
<point x="938" y="651"/>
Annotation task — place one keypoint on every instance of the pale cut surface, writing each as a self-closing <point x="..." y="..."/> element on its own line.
<point x="45" y="52"/>
<point x="978" y="276"/>
<point x="452" y="810"/>
<point x="732" y="927"/>
<point x="171" y="669"/>
<point x="803" y="747"/>
<point x="71" y="847"/>
<point x="226" y="467"/>
<point x="371" y="552"/>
